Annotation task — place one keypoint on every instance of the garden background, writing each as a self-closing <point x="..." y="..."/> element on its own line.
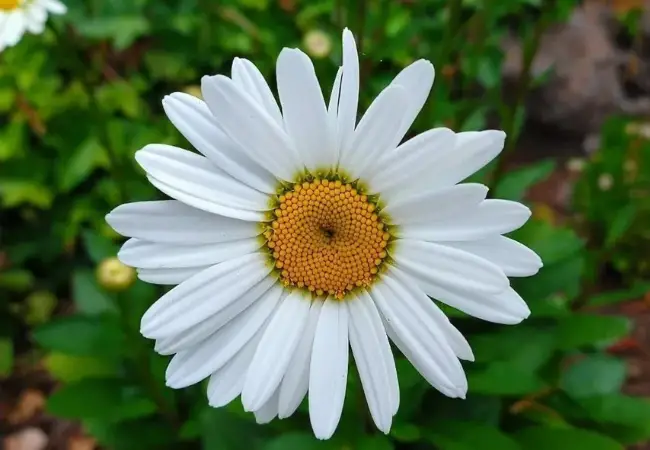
<point x="568" y="81"/>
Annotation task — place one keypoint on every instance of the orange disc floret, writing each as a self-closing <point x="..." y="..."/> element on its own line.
<point x="326" y="237"/>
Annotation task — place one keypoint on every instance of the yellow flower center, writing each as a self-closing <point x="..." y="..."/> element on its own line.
<point x="327" y="238"/>
<point x="8" y="5"/>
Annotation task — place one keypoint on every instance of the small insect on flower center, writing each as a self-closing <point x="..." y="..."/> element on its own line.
<point x="8" y="5"/>
<point x="327" y="237"/>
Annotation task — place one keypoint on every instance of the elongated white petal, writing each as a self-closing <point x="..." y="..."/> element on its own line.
<point x="423" y="345"/>
<point x="349" y="94"/>
<point x="169" y="277"/>
<point x="192" y="117"/>
<point x="427" y="206"/>
<point x="369" y="342"/>
<point x="328" y="369"/>
<point x="489" y="218"/>
<point x="190" y="366"/>
<point x="250" y="80"/>
<point x="54" y="6"/>
<point x="303" y="107"/>
<point x="377" y="132"/>
<point x="506" y="307"/>
<point x="515" y="259"/>
<point x="428" y="308"/>
<point x="269" y="410"/>
<point x="409" y="310"/>
<point x="333" y="107"/>
<point x="276" y="350"/>
<point x="196" y="334"/>
<point x="204" y="294"/>
<point x="172" y="222"/>
<point x="295" y="383"/>
<point x="448" y="266"/>
<point x="199" y="180"/>
<point x="396" y="169"/>
<point x="474" y="149"/>
<point x="238" y="114"/>
<point x="417" y="79"/>
<point x="226" y="383"/>
<point x="152" y="255"/>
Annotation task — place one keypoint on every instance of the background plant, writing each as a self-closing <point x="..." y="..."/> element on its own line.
<point x="78" y="101"/>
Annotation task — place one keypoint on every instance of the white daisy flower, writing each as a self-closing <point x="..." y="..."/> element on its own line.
<point x="18" y="17"/>
<point x="298" y="233"/>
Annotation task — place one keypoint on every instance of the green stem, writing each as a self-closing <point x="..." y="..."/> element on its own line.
<point x="531" y="46"/>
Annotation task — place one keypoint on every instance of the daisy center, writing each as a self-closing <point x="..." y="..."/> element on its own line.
<point x="327" y="237"/>
<point x="8" y="5"/>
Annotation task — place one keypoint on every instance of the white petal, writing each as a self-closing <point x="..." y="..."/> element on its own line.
<point x="250" y="80"/>
<point x="417" y="79"/>
<point x="192" y="117"/>
<point x="420" y="341"/>
<point x="190" y="366"/>
<point x="295" y="383"/>
<point x="14" y="27"/>
<point x="411" y="160"/>
<point x="377" y="132"/>
<point x="269" y="410"/>
<point x="168" y="276"/>
<point x="303" y="106"/>
<point x="427" y="206"/>
<point x="328" y="371"/>
<point x="194" y="335"/>
<point x="506" y="307"/>
<point x="489" y="218"/>
<point x="172" y="222"/>
<point x="153" y="255"/>
<point x="450" y="267"/>
<point x="226" y="383"/>
<point x="211" y="189"/>
<point x="238" y="114"/>
<point x="368" y="341"/>
<point x="429" y="309"/>
<point x="204" y="294"/>
<point x="349" y="93"/>
<point x="474" y="149"/>
<point x="35" y="18"/>
<point x="333" y="105"/>
<point x="54" y="6"/>
<point x="515" y="259"/>
<point x="275" y="351"/>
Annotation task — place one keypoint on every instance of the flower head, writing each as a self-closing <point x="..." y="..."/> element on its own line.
<point x="18" y="17"/>
<point x="299" y="233"/>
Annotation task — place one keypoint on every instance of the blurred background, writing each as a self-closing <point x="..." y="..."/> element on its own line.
<point x="568" y="80"/>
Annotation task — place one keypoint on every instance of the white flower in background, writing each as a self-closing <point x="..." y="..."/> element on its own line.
<point x="18" y="17"/>
<point x="299" y="232"/>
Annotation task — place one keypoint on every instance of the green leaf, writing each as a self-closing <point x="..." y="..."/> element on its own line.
<point x="6" y="357"/>
<point x="594" y="375"/>
<point x="405" y="432"/>
<point x="17" y="192"/>
<point x="85" y="158"/>
<point x="88" y="297"/>
<point x="124" y="30"/>
<point x="524" y="347"/>
<point x="503" y="378"/>
<point x="70" y="369"/>
<point x="82" y="336"/>
<point x="549" y="438"/>
<point x="39" y="307"/>
<point x="463" y="435"/>
<point x="629" y="415"/>
<point x="516" y="183"/>
<point x="99" y="399"/>
<point x="16" y="280"/>
<point x="376" y="442"/>
<point x="637" y="290"/>
<point x="297" y="441"/>
<point x="98" y="247"/>
<point x="582" y="330"/>
<point x="221" y="429"/>
<point x="552" y="244"/>
<point x="140" y="434"/>
<point x="623" y="220"/>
